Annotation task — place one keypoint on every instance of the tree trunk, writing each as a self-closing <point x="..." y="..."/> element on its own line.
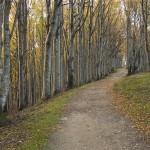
<point x="145" y="22"/>
<point x="4" y="87"/>
<point x="81" y="10"/>
<point x="62" y="66"/>
<point x="48" y="52"/>
<point x="58" y="50"/>
<point x="1" y="22"/>
<point x="71" y="76"/>
<point x="22" y="50"/>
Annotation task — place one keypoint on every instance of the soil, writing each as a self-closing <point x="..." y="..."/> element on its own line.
<point x="92" y="123"/>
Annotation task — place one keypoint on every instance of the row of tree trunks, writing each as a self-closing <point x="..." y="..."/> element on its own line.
<point x="138" y="59"/>
<point x="57" y="45"/>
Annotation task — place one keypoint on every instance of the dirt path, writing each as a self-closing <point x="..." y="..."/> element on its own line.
<point x="93" y="124"/>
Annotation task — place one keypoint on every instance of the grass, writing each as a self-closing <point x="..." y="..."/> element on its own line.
<point x="2" y="118"/>
<point x="135" y="99"/>
<point x="35" y="125"/>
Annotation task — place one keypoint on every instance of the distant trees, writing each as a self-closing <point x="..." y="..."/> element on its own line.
<point x="138" y="51"/>
<point x="55" y="45"/>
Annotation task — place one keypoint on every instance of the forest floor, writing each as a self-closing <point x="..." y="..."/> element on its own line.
<point x="91" y="117"/>
<point x="92" y="122"/>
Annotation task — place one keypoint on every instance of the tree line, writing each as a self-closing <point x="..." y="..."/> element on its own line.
<point x="47" y="47"/>
<point x="138" y="45"/>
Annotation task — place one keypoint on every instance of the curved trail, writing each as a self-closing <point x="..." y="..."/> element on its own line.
<point x="93" y="124"/>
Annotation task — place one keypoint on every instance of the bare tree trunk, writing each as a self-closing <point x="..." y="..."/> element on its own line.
<point x="71" y="76"/>
<point x="1" y="22"/>
<point x="4" y="87"/>
<point x="144" y="4"/>
<point x="22" y="50"/>
<point x="129" y="41"/>
<point x="62" y="66"/>
<point x="48" y="52"/>
<point x="89" y="43"/>
<point x="58" y="49"/>
<point x="81" y="11"/>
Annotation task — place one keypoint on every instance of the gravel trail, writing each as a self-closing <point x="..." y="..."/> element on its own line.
<point x="92" y="123"/>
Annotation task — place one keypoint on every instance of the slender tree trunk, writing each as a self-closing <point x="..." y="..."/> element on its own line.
<point x="145" y="22"/>
<point x="22" y="49"/>
<point x="71" y="76"/>
<point x="4" y="87"/>
<point x="48" y="52"/>
<point x="1" y="22"/>
<point x="81" y="44"/>
<point x="1" y="65"/>
<point x="58" y="50"/>
<point x="90" y="42"/>
<point x="62" y="66"/>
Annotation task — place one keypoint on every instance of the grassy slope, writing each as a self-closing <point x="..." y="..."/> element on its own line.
<point x="35" y="125"/>
<point x="136" y="102"/>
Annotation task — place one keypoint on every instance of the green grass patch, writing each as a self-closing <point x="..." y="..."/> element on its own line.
<point x="2" y="118"/>
<point x="136" y="102"/>
<point x="36" y="124"/>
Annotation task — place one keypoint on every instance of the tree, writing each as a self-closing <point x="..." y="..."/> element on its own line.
<point x="48" y="51"/>
<point x="22" y="52"/>
<point x="5" y="81"/>
<point x="137" y="46"/>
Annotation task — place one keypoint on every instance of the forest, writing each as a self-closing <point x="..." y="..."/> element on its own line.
<point x="51" y="47"/>
<point x="47" y="47"/>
